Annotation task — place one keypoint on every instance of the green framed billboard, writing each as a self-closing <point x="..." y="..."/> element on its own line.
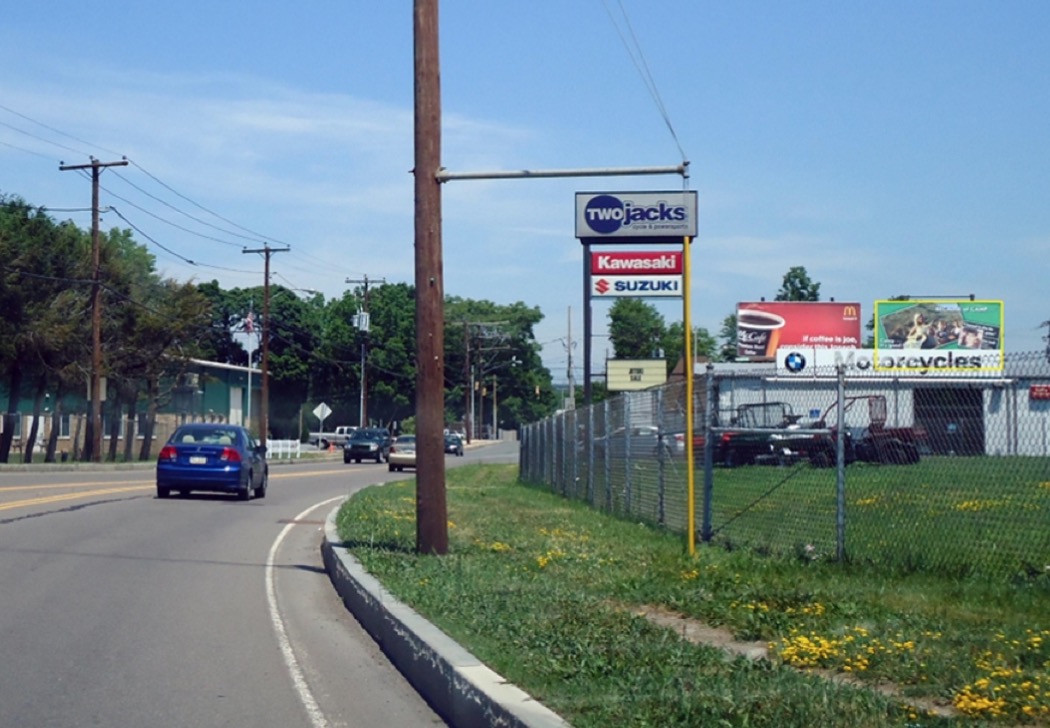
<point x="960" y="334"/>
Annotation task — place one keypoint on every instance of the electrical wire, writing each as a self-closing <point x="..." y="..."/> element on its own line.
<point x="634" y="51"/>
<point x="191" y="217"/>
<point x="168" y="250"/>
<point x="169" y="222"/>
<point x="57" y="131"/>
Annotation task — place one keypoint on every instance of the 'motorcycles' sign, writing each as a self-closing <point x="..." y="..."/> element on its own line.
<point x="795" y="361"/>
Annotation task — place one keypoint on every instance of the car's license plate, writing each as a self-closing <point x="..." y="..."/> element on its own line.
<point x="198" y="460"/>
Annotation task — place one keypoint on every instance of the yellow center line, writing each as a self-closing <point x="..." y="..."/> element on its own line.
<point x="6" y="488"/>
<point x="70" y="496"/>
<point x="132" y="487"/>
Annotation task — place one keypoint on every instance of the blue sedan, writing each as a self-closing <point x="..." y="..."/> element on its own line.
<point x="216" y="458"/>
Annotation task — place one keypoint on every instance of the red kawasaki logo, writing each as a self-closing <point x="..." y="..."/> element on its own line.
<point x="625" y="264"/>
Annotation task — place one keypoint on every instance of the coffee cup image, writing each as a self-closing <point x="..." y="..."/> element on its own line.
<point x="758" y="332"/>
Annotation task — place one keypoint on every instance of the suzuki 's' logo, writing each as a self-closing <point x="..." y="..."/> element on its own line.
<point x="602" y="286"/>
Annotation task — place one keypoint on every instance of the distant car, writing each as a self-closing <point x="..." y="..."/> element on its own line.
<point x="216" y="458"/>
<point x="402" y="453"/>
<point x="367" y="443"/>
<point x="454" y="444"/>
<point x="642" y="441"/>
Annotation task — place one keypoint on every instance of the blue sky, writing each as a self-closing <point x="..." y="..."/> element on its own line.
<point x="889" y="148"/>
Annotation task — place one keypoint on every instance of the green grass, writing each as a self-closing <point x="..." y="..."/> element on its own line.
<point x="548" y="592"/>
<point x="957" y="516"/>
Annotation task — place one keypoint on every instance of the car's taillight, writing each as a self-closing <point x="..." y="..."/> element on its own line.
<point x="167" y="453"/>
<point x="229" y="455"/>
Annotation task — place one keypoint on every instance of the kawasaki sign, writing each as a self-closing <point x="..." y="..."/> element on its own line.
<point x="635" y="217"/>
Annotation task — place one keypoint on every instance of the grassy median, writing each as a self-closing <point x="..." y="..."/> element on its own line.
<point x="604" y="620"/>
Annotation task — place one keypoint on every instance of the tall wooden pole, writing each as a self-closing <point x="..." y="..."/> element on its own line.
<point x="264" y="405"/>
<point x="93" y="439"/>
<point x="431" y="507"/>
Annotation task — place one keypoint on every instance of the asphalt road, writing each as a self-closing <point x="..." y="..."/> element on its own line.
<point x="119" y="609"/>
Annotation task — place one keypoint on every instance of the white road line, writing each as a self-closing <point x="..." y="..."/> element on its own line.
<point x="317" y="719"/>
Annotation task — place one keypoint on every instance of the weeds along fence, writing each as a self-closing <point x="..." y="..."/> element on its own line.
<point x="911" y="471"/>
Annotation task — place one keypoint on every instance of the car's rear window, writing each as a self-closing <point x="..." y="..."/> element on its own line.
<point x="206" y="437"/>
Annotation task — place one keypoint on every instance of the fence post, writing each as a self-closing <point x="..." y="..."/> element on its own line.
<point x="627" y="454"/>
<point x="709" y="452"/>
<point x="607" y="466"/>
<point x="590" y="454"/>
<point x="840" y="466"/>
<point x="661" y="454"/>
<point x="563" y="459"/>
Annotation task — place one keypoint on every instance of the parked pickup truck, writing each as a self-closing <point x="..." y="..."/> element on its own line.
<point x="769" y="434"/>
<point x="336" y="437"/>
<point x="872" y="442"/>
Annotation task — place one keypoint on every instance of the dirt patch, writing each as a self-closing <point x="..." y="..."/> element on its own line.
<point x="699" y="633"/>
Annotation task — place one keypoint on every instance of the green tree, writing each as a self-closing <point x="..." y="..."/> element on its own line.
<point x="40" y="261"/>
<point x="636" y="329"/>
<point x="498" y="343"/>
<point x="727" y="337"/>
<point x="673" y="344"/>
<point x="797" y="286"/>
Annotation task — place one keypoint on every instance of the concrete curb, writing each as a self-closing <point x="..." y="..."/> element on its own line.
<point x="458" y="686"/>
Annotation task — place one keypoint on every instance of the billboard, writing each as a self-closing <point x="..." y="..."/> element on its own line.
<point x="939" y="324"/>
<point x="635" y="217"/>
<point x="763" y="326"/>
<point x="629" y="374"/>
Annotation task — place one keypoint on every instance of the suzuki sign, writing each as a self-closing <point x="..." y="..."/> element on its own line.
<point x="637" y="286"/>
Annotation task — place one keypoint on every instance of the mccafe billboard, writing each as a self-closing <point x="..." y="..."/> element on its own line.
<point x="762" y="327"/>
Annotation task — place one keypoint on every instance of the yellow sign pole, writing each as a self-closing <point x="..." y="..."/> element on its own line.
<point x="689" y="357"/>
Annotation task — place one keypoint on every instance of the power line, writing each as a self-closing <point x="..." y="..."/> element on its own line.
<point x="634" y="50"/>
<point x="57" y="131"/>
<point x="146" y="172"/>
<point x="255" y="239"/>
<point x="169" y="222"/>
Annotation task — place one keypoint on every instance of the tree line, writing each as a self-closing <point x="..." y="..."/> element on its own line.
<point x="153" y="327"/>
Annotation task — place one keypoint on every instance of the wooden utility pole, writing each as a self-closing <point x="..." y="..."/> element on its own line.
<point x="431" y="505"/>
<point x="264" y="406"/>
<point x="363" y="329"/>
<point x="93" y="436"/>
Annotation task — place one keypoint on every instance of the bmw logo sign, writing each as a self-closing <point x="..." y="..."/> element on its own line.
<point x="794" y="362"/>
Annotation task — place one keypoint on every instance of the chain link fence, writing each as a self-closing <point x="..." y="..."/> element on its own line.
<point x="949" y="474"/>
